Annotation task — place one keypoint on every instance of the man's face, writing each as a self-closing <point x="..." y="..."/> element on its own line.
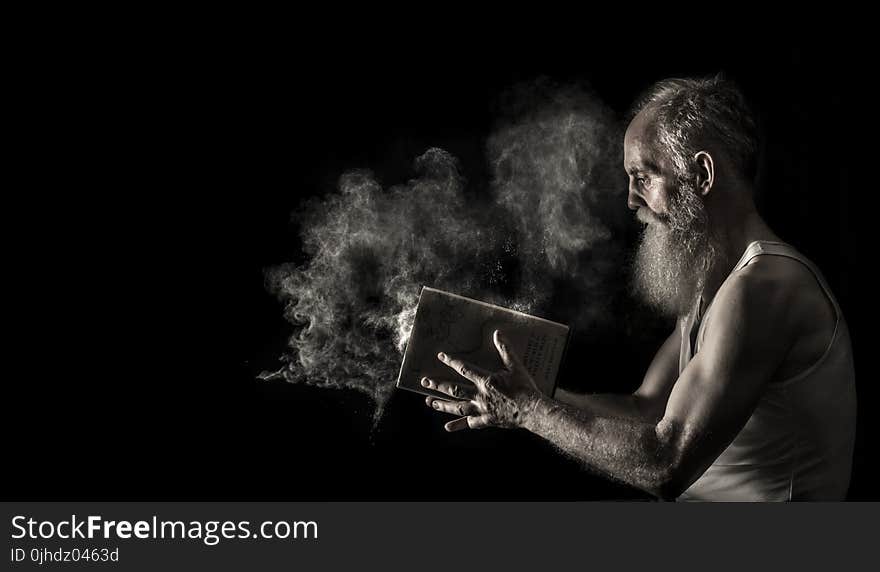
<point x="676" y="252"/>
<point x="650" y="174"/>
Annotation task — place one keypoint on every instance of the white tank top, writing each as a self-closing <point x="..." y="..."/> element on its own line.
<point x="798" y="442"/>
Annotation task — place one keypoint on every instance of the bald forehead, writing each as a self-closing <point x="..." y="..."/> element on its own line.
<point x="639" y="144"/>
<point x="642" y="128"/>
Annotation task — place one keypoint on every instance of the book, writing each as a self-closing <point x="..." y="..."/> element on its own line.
<point x="463" y="328"/>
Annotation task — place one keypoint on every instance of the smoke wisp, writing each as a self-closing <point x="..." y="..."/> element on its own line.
<point x="539" y="239"/>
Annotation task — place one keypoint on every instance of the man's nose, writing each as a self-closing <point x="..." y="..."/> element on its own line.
<point x="633" y="199"/>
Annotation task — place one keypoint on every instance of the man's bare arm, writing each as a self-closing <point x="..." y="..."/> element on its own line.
<point x="622" y="449"/>
<point x="647" y="403"/>
<point x="708" y="405"/>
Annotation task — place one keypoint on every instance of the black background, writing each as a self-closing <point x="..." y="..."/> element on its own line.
<point x="181" y="166"/>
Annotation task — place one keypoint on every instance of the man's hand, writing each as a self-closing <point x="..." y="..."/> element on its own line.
<point x="492" y="399"/>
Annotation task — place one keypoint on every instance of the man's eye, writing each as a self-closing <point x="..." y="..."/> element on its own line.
<point x="642" y="181"/>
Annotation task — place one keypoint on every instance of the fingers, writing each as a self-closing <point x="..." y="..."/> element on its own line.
<point x="508" y="358"/>
<point x="457" y="425"/>
<point x="467" y="370"/>
<point x="472" y="422"/>
<point x="479" y="422"/>
<point x="463" y="408"/>
<point x="458" y="391"/>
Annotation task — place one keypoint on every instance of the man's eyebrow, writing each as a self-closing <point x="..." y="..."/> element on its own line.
<point x="648" y="168"/>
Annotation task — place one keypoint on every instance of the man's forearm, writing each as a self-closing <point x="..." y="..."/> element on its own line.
<point x="626" y="406"/>
<point x="638" y="453"/>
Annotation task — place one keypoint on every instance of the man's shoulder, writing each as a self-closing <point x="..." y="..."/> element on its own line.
<point x="780" y="293"/>
<point x="780" y="279"/>
<point x="752" y="323"/>
<point x="759" y="293"/>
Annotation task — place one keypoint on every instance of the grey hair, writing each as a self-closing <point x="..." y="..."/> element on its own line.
<point x="690" y="111"/>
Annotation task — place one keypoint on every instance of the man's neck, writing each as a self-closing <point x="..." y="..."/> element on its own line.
<point x="742" y="229"/>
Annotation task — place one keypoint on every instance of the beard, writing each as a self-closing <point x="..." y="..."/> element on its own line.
<point x="676" y="254"/>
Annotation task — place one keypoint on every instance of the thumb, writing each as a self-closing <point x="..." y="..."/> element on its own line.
<point x="507" y="358"/>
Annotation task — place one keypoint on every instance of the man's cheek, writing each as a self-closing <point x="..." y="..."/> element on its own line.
<point x="660" y="208"/>
<point x="660" y="200"/>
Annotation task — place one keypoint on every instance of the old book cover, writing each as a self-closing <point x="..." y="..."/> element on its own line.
<point x="463" y="328"/>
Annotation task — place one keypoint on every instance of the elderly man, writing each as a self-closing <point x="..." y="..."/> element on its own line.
<point x="752" y="396"/>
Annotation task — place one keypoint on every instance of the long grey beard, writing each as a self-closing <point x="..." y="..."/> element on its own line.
<point x="675" y="256"/>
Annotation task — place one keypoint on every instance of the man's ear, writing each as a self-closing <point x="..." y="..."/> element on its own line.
<point x="705" y="172"/>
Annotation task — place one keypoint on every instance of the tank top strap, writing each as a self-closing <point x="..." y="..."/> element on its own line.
<point x="767" y="247"/>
